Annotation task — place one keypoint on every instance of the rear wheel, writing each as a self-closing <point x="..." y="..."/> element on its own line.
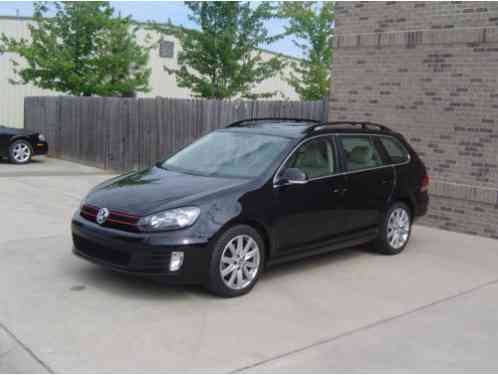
<point x="395" y="230"/>
<point x="20" y="152"/>
<point x="236" y="262"/>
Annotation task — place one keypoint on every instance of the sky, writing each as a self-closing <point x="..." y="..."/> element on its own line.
<point x="159" y="11"/>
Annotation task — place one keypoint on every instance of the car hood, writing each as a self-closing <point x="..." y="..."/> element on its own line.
<point x="15" y="131"/>
<point x="154" y="189"/>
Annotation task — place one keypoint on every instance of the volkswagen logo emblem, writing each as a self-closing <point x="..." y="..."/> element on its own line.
<point x="102" y="215"/>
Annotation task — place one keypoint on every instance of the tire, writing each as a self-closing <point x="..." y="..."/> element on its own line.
<point x="20" y="152"/>
<point x="245" y="271"/>
<point x="397" y="223"/>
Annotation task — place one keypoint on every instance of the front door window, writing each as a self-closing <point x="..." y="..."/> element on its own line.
<point x="315" y="158"/>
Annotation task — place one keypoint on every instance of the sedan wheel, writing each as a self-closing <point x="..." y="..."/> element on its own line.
<point x="20" y="152"/>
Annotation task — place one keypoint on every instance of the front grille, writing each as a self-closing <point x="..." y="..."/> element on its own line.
<point x="116" y="220"/>
<point x="103" y="253"/>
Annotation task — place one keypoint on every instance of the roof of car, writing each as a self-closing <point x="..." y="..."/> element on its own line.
<point x="283" y="129"/>
<point x="302" y="128"/>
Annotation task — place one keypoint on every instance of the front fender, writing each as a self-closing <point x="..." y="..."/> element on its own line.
<point x="217" y="214"/>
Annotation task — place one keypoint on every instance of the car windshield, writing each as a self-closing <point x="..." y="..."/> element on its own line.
<point x="228" y="154"/>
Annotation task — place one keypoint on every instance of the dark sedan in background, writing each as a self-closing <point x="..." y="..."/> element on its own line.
<point x="19" y="145"/>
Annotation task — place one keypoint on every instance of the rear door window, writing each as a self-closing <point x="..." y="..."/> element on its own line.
<point x="396" y="151"/>
<point x="359" y="152"/>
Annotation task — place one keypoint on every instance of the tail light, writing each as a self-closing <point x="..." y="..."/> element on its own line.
<point x="424" y="186"/>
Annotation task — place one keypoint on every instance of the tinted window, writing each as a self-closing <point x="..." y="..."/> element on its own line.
<point x="228" y="154"/>
<point x="360" y="152"/>
<point x="315" y="158"/>
<point x="396" y="151"/>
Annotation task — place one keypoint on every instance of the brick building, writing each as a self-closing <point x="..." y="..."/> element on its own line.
<point x="430" y="71"/>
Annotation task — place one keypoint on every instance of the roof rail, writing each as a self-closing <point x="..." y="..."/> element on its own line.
<point x="364" y="125"/>
<point x="250" y="121"/>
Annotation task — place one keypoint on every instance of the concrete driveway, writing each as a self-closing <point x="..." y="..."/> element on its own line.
<point x="433" y="307"/>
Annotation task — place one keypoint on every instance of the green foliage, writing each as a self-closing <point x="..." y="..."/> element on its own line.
<point x="83" y="50"/>
<point x="311" y="23"/>
<point x="221" y="58"/>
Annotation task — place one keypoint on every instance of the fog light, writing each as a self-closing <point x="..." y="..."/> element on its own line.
<point x="176" y="261"/>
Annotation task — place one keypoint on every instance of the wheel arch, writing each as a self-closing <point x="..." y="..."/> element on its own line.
<point x="409" y="202"/>
<point x="16" y="138"/>
<point x="256" y="225"/>
<point x="405" y="200"/>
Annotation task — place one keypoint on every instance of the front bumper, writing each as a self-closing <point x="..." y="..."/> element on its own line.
<point x="40" y="148"/>
<point x="140" y="254"/>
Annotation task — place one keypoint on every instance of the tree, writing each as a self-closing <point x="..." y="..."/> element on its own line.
<point x="83" y="50"/>
<point x="311" y="24"/>
<point x="221" y="58"/>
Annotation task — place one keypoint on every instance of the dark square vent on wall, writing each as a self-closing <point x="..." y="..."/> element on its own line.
<point x="166" y="49"/>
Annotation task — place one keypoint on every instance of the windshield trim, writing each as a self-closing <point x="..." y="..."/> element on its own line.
<point x="196" y="173"/>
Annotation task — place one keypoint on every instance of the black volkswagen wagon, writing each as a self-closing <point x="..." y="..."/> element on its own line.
<point x="258" y="192"/>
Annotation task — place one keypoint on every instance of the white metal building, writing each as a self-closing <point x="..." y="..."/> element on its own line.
<point x="161" y="83"/>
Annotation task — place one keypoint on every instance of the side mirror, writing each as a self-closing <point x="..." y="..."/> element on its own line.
<point x="292" y="176"/>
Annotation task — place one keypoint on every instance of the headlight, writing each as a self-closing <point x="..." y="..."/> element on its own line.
<point x="171" y="219"/>
<point x="41" y="138"/>
<point x="83" y="201"/>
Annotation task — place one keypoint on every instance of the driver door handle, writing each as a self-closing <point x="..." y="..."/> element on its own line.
<point x="340" y="190"/>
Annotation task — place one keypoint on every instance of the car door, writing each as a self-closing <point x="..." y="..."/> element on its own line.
<point x="309" y="214"/>
<point x="4" y="142"/>
<point x="369" y="181"/>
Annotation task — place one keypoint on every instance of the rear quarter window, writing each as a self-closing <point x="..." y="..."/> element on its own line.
<point x="395" y="149"/>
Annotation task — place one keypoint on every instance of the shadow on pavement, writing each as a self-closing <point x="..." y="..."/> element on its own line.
<point x="93" y="276"/>
<point x="315" y="262"/>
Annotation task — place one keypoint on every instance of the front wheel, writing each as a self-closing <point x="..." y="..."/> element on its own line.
<point x="20" y="152"/>
<point x="394" y="231"/>
<point x="236" y="262"/>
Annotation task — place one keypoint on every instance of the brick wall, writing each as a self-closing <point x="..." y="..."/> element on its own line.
<point x="430" y="71"/>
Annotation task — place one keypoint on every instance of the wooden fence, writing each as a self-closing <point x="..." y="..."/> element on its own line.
<point x="126" y="133"/>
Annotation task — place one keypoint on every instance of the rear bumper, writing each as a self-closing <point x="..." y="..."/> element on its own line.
<point x="40" y="148"/>
<point x="421" y="204"/>
<point x="137" y="254"/>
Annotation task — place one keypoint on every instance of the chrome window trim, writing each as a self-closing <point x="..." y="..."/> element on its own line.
<point x="292" y="153"/>
<point x="329" y="135"/>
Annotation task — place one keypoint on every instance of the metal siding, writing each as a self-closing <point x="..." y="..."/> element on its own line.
<point x="161" y="83"/>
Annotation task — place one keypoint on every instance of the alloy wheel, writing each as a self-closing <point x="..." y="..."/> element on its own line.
<point x="21" y="152"/>
<point x="398" y="228"/>
<point x="239" y="263"/>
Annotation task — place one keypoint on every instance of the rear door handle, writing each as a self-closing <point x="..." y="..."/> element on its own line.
<point x="387" y="181"/>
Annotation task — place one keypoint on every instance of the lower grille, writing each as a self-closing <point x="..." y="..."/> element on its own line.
<point x="156" y="262"/>
<point x="140" y="261"/>
<point x="97" y="251"/>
